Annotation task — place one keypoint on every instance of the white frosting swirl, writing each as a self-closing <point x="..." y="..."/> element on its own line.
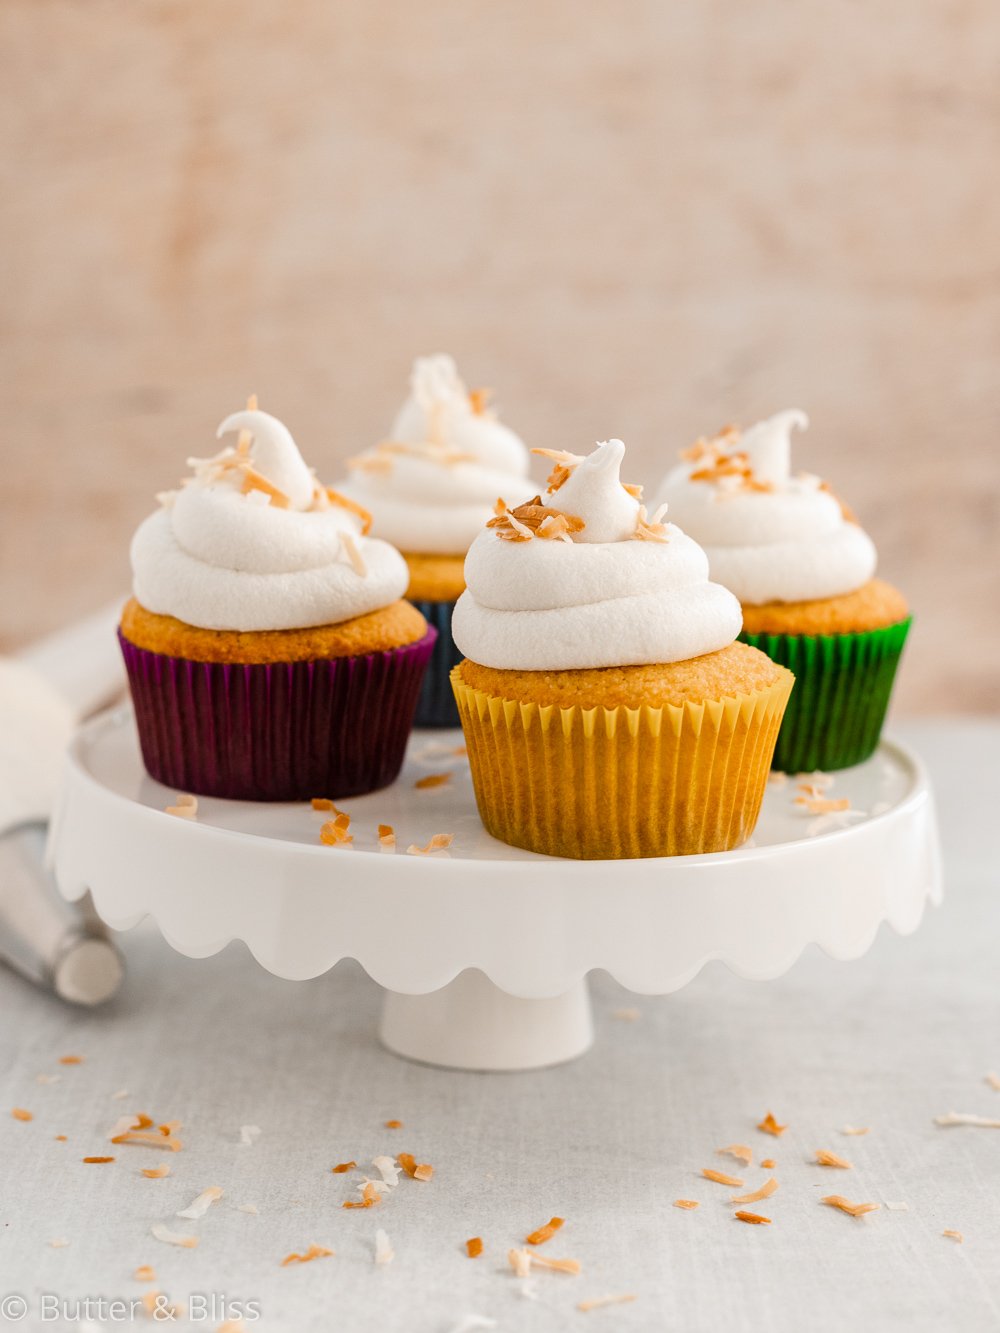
<point x="593" y="601"/>
<point x="252" y="542"/>
<point x="780" y="538"/>
<point x="432" y="486"/>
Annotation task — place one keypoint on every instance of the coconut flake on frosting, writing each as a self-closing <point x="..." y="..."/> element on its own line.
<point x="771" y="535"/>
<point x="431" y="486"/>
<point x="603" y="595"/>
<point x="252" y="541"/>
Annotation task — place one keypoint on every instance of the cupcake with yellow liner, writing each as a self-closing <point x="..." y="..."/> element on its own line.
<point x="607" y="709"/>
<point x="803" y="570"/>
<point x="269" y="652"/>
<point x="430" y="488"/>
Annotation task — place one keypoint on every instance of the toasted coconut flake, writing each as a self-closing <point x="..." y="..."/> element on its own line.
<point x="370" y="1196"/>
<point x="97" y="1161"/>
<point x="563" y="465"/>
<point x="432" y="780"/>
<point x="394" y="1124"/>
<point x="650" y="529"/>
<point x="60" y="1242"/>
<point x="384" y="1253"/>
<point x="352" y="507"/>
<point x="313" y="1252"/>
<point x="768" y="1188"/>
<point x="140" y="1131"/>
<point x="964" y="1118"/>
<point x="343" y="1167"/>
<point x="162" y="1232"/>
<point x="776" y="778"/>
<point x="686" y="1203"/>
<point x="755" y="1219"/>
<point x="952" y="1235"/>
<point x="414" y="1169"/>
<point x="479" y="400"/>
<point x="248" y="1134"/>
<point x="546" y="1232"/>
<point x="353" y="553"/>
<point x="556" y="1265"/>
<point x="822" y="805"/>
<point x="770" y="1126"/>
<point x="155" y="1172"/>
<point x="250" y="1208"/>
<point x="474" y="1247"/>
<point x="826" y="1158"/>
<point x="527" y="520"/>
<point x="845" y="1205"/>
<point x="994" y="1081"/>
<point x="438" y="843"/>
<point x="74" y="1059"/>
<point x="768" y="1163"/>
<point x="741" y="1151"/>
<point x="386" y="838"/>
<point x="182" y="811"/>
<point x="232" y="1326"/>
<point x="323" y="803"/>
<point x="144" y="1273"/>
<point x="19" y="1113"/>
<point x="721" y="1178"/>
<point x="852" y="1130"/>
<point x="627" y="1015"/>
<point x="60" y="1138"/>
<point x="256" y="481"/>
<point x="520" y="1261"/>
<point x="599" y="1302"/>
<point x="200" y="1206"/>
<point x="334" y="832"/>
<point x="387" y="1169"/>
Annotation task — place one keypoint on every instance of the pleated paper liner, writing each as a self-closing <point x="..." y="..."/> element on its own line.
<point x="436" y="706"/>
<point x="842" y="687"/>
<point x="284" y="731"/>
<point x="621" y="782"/>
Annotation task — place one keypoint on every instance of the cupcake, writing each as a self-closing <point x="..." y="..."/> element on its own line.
<point x="607" y="709"/>
<point x="430" y="488"/>
<point x="803" y="570"/>
<point x="269" y="653"/>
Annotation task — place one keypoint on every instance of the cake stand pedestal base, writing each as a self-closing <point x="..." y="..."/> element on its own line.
<point x="472" y="1024"/>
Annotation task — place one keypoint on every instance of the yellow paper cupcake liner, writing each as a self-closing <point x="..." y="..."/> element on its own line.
<point x="619" y="782"/>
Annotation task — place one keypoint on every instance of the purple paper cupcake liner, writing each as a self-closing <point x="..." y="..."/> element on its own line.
<point x="280" y="731"/>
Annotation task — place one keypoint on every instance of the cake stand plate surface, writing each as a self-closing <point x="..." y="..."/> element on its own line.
<point x="484" y="949"/>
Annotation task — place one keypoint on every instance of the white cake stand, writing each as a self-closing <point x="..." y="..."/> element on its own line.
<point x="484" y="950"/>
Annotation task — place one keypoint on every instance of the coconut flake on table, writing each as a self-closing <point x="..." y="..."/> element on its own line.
<point x="966" y="1118"/>
<point x="250" y="1208"/>
<point x="384" y="1253"/>
<point x="162" y="1232"/>
<point x="200" y="1206"/>
<point x="387" y="1169"/>
<point x="248" y="1133"/>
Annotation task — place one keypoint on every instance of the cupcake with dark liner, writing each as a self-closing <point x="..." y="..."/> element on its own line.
<point x="803" y="569"/>
<point x="269" y="652"/>
<point x="608" y="711"/>
<point x="430" y="488"/>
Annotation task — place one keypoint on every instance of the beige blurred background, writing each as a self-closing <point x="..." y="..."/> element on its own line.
<point x="642" y="219"/>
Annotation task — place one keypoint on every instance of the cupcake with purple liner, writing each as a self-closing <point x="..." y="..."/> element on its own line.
<point x="430" y="488"/>
<point x="269" y="652"/>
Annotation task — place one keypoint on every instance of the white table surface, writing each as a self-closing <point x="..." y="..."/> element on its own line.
<point x="608" y="1142"/>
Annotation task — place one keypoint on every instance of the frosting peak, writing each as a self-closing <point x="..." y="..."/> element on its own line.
<point x="771" y="535"/>
<point x="252" y="541"/>
<point x="432" y="486"/>
<point x="768" y="445"/>
<point x="275" y="454"/>
<point x="594" y="493"/>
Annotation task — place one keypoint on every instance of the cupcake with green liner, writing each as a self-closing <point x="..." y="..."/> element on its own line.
<point x="608" y="711"/>
<point x="803" y="570"/>
<point x="430" y="488"/>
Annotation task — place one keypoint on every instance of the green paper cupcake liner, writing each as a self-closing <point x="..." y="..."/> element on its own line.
<point x="842" y="687"/>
